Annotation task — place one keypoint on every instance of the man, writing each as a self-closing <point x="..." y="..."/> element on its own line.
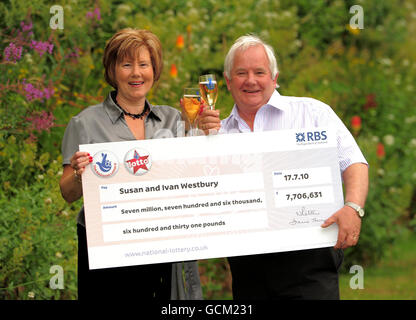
<point x="251" y="73"/>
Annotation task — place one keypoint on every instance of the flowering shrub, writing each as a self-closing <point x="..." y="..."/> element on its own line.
<point x="13" y="53"/>
<point x="41" y="47"/>
<point x="32" y="93"/>
<point x="47" y="76"/>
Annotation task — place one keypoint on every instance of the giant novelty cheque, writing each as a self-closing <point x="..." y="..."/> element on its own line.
<point x="189" y="198"/>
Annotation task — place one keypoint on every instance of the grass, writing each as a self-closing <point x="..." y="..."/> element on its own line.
<point x="393" y="278"/>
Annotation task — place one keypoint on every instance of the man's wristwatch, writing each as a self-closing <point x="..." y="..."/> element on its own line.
<point x="356" y="207"/>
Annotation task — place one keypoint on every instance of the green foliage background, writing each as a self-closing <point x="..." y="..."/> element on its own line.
<point x="368" y="73"/>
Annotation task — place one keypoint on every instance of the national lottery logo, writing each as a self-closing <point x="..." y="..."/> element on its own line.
<point x="137" y="161"/>
<point x="104" y="164"/>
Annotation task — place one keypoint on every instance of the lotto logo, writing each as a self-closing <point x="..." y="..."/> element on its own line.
<point x="311" y="136"/>
<point x="137" y="161"/>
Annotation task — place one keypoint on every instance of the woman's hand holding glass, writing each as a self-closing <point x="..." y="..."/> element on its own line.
<point x="207" y="120"/>
<point x="203" y="117"/>
<point x="191" y="105"/>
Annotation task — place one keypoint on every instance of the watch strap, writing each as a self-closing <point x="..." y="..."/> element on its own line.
<point x="356" y="207"/>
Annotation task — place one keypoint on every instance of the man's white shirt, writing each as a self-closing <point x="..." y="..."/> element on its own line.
<point x="284" y="113"/>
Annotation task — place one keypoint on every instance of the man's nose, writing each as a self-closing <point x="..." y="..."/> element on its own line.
<point x="251" y="79"/>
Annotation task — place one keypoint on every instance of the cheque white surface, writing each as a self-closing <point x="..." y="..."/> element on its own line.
<point x="175" y="199"/>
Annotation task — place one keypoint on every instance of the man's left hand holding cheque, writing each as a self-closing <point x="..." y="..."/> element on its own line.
<point x="349" y="222"/>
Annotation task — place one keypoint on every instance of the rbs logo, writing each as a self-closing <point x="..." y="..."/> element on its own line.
<point x="311" y="136"/>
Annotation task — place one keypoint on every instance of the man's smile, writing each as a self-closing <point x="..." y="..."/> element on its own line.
<point x="250" y="91"/>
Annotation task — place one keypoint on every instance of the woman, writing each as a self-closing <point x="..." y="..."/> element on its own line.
<point x="133" y="63"/>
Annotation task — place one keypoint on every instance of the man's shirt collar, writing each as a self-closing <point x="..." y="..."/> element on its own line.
<point x="276" y="101"/>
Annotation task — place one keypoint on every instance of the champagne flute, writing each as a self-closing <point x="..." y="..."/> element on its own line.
<point x="209" y="89"/>
<point x="191" y="105"/>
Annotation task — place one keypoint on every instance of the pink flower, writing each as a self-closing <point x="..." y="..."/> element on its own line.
<point x="48" y="92"/>
<point x="94" y="14"/>
<point x="33" y="93"/>
<point x="97" y="13"/>
<point x="13" y="52"/>
<point x="41" y="47"/>
<point x="41" y="121"/>
<point x="26" y="27"/>
<point x="74" y="54"/>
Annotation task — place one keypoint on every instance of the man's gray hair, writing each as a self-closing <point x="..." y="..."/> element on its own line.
<point x="243" y="43"/>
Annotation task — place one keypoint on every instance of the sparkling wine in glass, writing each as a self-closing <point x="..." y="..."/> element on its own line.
<point x="209" y="89"/>
<point x="191" y="105"/>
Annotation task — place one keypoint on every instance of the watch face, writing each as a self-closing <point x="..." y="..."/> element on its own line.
<point x="361" y="213"/>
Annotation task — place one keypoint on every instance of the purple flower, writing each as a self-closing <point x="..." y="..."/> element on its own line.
<point x="41" y="47"/>
<point x="96" y="13"/>
<point x="33" y="93"/>
<point x="73" y="54"/>
<point x="13" y="52"/>
<point x="26" y="27"/>
<point x="42" y="121"/>
<point x="48" y="92"/>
